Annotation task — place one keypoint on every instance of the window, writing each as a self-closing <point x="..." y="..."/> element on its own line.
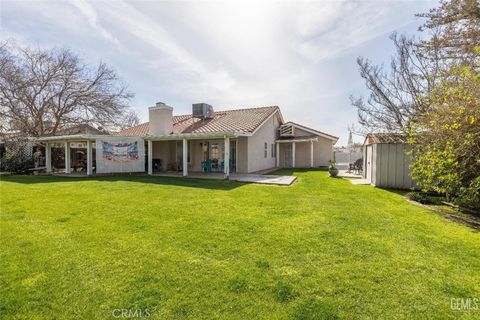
<point x="266" y="150"/>
<point x="274" y="150"/>
<point x="214" y="151"/>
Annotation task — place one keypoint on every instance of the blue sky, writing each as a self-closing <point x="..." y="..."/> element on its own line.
<point x="298" y="55"/>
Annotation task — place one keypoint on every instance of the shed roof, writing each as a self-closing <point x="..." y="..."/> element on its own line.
<point x="385" y="137"/>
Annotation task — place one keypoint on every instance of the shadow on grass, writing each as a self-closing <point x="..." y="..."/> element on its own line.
<point x="138" y="178"/>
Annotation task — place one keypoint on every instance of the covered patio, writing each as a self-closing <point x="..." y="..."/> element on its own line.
<point x="201" y="154"/>
<point x="78" y="155"/>
<point x="295" y="152"/>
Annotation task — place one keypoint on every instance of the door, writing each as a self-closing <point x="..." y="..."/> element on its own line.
<point x="369" y="162"/>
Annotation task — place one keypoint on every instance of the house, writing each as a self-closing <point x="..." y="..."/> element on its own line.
<point x="229" y="141"/>
<point x="386" y="163"/>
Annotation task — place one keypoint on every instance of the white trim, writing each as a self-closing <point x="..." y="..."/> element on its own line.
<point x="48" y="157"/>
<point x="75" y="137"/>
<point x="293" y="154"/>
<point x="198" y="135"/>
<point x="67" y="158"/>
<point x="311" y="154"/>
<point x="226" y="158"/>
<point x="296" y="140"/>
<point x="277" y="151"/>
<point x="89" y="158"/>
<point x="185" y="157"/>
<point x="150" y="156"/>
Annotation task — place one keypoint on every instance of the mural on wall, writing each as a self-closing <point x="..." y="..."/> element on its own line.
<point x="120" y="152"/>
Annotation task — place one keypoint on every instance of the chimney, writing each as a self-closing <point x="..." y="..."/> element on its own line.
<point x="160" y="119"/>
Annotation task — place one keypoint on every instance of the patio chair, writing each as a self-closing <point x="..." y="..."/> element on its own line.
<point x="358" y="166"/>
<point x="207" y="166"/>
<point x="351" y="167"/>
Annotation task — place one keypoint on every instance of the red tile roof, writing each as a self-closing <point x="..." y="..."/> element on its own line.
<point x="244" y="120"/>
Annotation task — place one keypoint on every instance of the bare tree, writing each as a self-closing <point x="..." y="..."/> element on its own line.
<point x="398" y="96"/>
<point x="43" y="91"/>
<point x="129" y="120"/>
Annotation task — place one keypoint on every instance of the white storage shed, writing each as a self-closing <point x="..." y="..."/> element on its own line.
<point x="385" y="161"/>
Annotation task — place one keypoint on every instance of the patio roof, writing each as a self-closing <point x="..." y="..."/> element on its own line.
<point x="75" y="137"/>
<point x="298" y="139"/>
<point x="199" y="135"/>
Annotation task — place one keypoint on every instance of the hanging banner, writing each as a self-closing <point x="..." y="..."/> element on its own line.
<point x="120" y="152"/>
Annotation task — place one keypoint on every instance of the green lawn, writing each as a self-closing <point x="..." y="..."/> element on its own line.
<point x="320" y="249"/>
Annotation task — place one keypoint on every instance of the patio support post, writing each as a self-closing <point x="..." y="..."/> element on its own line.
<point x="311" y="153"/>
<point x="293" y="154"/>
<point x="150" y="157"/>
<point x="277" y="155"/>
<point x="185" y="158"/>
<point x="226" y="161"/>
<point x="89" y="158"/>
<point x="67" y="157"/>
<point x="48" y="157"/>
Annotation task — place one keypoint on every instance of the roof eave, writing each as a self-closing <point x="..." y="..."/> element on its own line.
<point x="198" y="135"/>
<point x="75" y="137"/>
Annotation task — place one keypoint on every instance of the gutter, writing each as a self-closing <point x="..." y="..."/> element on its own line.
<point x="198" y="135"/>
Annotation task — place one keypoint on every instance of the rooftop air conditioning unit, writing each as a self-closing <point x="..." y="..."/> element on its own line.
<point x="202" y="111"/>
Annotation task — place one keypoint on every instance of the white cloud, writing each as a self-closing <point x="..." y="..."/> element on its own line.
<point x="334" y="27"/>
<point x="91" y="15"/>
<point x="226" y="53"/>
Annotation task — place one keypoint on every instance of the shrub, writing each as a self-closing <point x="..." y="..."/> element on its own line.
<point x="16" y="161"/>
<point x="469" y="197"/>
<point x="425" y="198"/>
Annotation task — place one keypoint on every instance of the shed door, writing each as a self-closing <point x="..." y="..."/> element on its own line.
<point x="369" y="157"/>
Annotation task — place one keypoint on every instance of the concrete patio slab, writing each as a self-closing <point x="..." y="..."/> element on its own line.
<point x="264" y="179"/>
<point x="351" y="174"/>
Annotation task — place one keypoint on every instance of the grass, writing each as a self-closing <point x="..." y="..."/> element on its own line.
<point x="172" y="248"/>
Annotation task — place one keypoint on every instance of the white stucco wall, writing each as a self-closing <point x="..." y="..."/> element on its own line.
<point x="242" y="155"/>
<point x="266" y="133"/>
<point x="322" y="150"/>
<point x="165" y="151"/>
<point x="108" y="166"/>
